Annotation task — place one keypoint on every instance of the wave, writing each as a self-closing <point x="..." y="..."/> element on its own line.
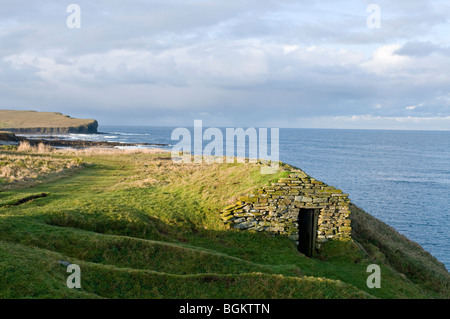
<point x="129" y="134"/>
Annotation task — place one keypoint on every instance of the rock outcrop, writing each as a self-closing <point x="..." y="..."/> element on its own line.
<point x="90" y="128"/>
<point x="8" y="136"/>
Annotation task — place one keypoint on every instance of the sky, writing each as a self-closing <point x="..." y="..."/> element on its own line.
<point x="245" y="63"/>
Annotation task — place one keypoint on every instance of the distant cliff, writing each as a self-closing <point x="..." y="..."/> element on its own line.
<point x="32" y="122"/>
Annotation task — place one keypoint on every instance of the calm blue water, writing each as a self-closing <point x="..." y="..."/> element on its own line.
<point x="400" y="177"/>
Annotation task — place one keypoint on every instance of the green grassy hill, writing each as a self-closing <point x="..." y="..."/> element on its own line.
<point x="140" y="226"/>
<point x="44" y="122"/>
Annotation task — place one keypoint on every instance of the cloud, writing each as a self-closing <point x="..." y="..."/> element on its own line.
<point x="422" y="49"/>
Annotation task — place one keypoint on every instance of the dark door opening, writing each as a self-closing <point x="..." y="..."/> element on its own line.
<point x="307" y="231"/>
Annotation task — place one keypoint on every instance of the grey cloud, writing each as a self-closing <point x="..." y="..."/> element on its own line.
<point x="422" y="49"/>
<point x="24" y="76"/>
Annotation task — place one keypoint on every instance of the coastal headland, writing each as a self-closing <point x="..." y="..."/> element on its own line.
<point x="32" y="122"/>
<point x="16" y="125"/>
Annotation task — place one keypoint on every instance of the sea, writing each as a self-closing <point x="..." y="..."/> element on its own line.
<point x="400" y="177"/>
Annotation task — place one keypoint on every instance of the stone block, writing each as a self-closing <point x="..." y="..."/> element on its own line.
<point x="276" y="229"/>
<point x="345" y="229"/>
<point x="245" y="225"/>
<point x="292" y="215"/>
<point x="306" y="199"/>
<point x="239" y="220"/>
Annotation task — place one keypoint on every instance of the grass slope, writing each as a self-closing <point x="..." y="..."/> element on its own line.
<point x="11" y="119"/>
<point x="141" y="226"/>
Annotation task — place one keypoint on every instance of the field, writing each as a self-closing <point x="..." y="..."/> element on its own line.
<point x="23" y="120"/>
<point x="141" y="226"/>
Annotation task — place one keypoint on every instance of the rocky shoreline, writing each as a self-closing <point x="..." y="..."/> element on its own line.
<point x="9" y="138"/>
<point x="90" y="128"/>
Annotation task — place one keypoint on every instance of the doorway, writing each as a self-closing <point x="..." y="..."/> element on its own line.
<point x="307" y="231"/>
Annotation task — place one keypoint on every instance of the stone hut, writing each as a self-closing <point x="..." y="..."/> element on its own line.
<point x="297" y="206"/>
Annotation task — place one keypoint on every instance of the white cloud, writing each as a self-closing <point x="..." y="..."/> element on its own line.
<point x="385" y="61"/>
<point x="289" y="48"/>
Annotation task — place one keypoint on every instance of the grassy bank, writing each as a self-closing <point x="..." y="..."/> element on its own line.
<point x="141" y="226"/>
<point x="23" y="170"/>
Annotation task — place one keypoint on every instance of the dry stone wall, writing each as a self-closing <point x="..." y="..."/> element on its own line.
<point x="276" y="208"/>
